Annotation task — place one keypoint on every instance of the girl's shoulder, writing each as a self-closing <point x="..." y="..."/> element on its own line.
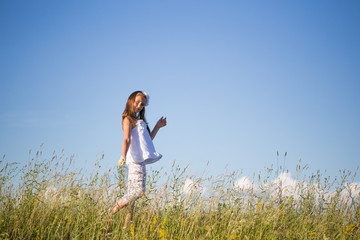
<point x="126" y="120"/>
<point x="130" y="121"/>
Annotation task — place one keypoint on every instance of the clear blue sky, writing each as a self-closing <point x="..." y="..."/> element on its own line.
<point x="237" y="80"/>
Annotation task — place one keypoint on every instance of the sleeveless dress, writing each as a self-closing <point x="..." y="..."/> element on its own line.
<point x="141" y="149"/>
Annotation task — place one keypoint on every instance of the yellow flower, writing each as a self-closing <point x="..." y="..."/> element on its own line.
<point x="311" y="235"/>
<point x="132" y="229"/>
<point x="162" y="230"/>
<point x="153" y="222"/>
<point x="348" y="229"/>
<point x="258" y="207"/>
<point x="162" y="233"/>
<point x="121" y="161"/>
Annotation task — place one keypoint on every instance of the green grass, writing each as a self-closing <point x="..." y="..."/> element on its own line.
<point x="47" y="200"/>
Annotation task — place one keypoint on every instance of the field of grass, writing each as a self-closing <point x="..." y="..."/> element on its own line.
<point x="48" y="199"/>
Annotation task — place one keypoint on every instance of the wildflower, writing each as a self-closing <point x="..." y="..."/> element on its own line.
<point x="153" y="222"/>
<point x="162" y="233"/>
<point x="258" y="207"/>
<point x="312" y="235"/>
<point x="132" y="229"/>
<point x="348" y="229"/>
<point x="155" y="219"/>
<point x="162" y="230"/>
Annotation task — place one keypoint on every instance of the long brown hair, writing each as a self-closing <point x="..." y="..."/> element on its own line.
<point x="129" y="111"/>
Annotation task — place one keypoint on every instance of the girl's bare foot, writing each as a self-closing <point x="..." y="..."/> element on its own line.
<point x="119" y="205"/>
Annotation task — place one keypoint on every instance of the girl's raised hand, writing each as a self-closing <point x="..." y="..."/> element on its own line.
<point x="161" y="123"/>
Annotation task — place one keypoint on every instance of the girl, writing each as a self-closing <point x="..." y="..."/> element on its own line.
<point x="138" y="149"/>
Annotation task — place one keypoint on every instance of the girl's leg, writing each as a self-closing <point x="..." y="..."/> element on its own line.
<point x="136" y="186"/>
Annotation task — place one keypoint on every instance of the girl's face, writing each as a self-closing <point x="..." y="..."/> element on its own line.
<point x="139" y="103"/>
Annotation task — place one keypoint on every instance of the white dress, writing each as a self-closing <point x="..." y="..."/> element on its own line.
<point x="141" y="149"/>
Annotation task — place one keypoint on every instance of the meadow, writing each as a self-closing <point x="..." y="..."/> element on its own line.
<point x="48" y="199"/>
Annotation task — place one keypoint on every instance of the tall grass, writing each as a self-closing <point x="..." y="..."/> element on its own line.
<point x="46" y="199"/>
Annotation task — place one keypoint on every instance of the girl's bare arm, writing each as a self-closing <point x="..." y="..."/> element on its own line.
<point x="127" y="135"/>
<point x="161" y="123"/>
